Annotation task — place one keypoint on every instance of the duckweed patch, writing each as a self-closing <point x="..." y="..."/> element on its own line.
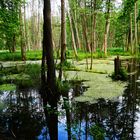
<point x="100" y="86"/>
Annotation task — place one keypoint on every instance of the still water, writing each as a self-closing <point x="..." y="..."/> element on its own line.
<point x="26" y="115"/>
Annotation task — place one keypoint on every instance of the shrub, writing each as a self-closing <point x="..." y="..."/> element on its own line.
<point x="122" y="75"/>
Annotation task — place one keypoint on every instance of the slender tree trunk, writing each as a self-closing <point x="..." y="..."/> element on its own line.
<point x="73" y="17"/>
<point x="14" y="43"/>
<point x="25" y="27"/>
<point x="136" y="29"/>
<point x="85" y="43"/>
<point x="131" y="34"/>
<point x="28" y="31"/>
<point x="93" y="43"/>
<point x="38" y="28"/>
<point x="77" y="36"/>
<point x="33" y="25"/>
<point x="94" y="32"/>
<point x="22" y="37"/>
<point x="63" y="37"/>
<point x="138" y="33"/>
<point x="72" y="35"/>
<point x="78" y="42"/>
<point x="107" y="25"/>
<point x="85" y="33"/>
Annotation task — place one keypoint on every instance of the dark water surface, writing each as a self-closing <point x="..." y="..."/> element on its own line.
<point x="22" y="115"/>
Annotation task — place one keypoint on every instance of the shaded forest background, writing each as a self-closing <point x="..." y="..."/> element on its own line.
<point x="91" y="26"/>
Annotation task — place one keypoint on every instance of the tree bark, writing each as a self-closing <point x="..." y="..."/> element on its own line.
<point x="74" y="19"/>
<point x="93" y="43"/>
<point x="14" y="43"/>
<point x="48" y="45"/>
<point x="22" y="37"/>
<point x="107" y="26"/>
<point x="25" y="27"/>
<point x="136" y="29"/>
<point x="63" y="38"/>
<point x="77" y="35"/>
<point x="131" y="34"/>
<point x="85" y="34"/>
<point x="50" y="86"/>
<point x="72" y="35"/>
<point x="38" y="27"/>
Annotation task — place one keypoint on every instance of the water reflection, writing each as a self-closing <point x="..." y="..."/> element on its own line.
<point x="22" y="116"/>
<point x="27" y="115"/>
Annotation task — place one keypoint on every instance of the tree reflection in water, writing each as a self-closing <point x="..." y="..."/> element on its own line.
<point x="25" y="115"/>
<point x="22" y="116"/>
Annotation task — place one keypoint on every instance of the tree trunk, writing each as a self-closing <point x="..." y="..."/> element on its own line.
<point x="22" y="37"/>
<point x="25" y="27"/>
<point x="93" y="43"/>
<point x="85" y="34"/>
<point x="63" y="37"/>
<point x="72" y="35"/>
<point x="38" y="29"/>
<point x="29" y="42"/>
<point x="49" y="89"/>
<point x="14" y="43"/>
<point x="74" y="17"/>
<point x="48" y="45"/>
<point x="138" y="34"/>
<point x="94" y="32"/>
<point x="107" y="25"/>
<point x="131" y="34"/>
<point x="136" y="29"/>
<point x="33" y="26"/>
<point x="77" y="35"/>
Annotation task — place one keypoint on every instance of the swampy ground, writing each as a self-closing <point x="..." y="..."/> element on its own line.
<point x="92" y="106"/>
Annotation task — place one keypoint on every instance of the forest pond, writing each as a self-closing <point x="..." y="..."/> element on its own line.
<point x="22" y="115"/>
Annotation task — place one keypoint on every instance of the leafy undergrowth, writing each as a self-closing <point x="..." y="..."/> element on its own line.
<point x="7" y="87"/>
<point x="37" y="55"/>
<point x="122" y="75"/>
<point x="24" y="76"/>
<point x="16" y="56"/>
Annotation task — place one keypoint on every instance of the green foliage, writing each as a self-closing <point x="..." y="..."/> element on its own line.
<point x="7" y="56"/>
<point x="66" y="65"/>
<point x="98" y="132"/>
<point x="128" y="7"/>
<point x="31" y="55"/>
<point x="33" y="70"/>
<point x="122" y="75"/>
<point x="6" y="87"/>
<point x="37" y="55"/>
<point x="23" y="76"/>
<point x="118" y="51"/>
<point x="63" y="86"/>
<point x="9" y="22"/>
